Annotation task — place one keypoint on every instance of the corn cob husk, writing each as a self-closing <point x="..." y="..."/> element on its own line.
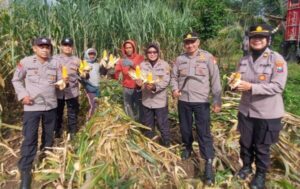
<point x="64" y="72"/>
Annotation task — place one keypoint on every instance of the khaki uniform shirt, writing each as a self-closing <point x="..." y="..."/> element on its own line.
<point x="72" y="64"/>
<point x="34" y="79"/>
<point x="203" y="67"/>
<point x="268" y="76"/>
<point x="161" y="73"/>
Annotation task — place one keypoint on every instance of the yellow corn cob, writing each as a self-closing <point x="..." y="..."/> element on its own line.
<point x="149" y="78"/>
<point x="104" y="55"/>
<point x="81" y="67"/>
<point x="84" y="66"/>
<point x="111" y="58"/>
<point x="64" y="72"/>
<point x="138" y="72"/>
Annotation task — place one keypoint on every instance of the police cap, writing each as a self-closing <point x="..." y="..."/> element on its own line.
<point x="42" y="41"/>
<point x="190" y="36"/>
<point x="67" y="41"/>
<point x="260" y="30"/>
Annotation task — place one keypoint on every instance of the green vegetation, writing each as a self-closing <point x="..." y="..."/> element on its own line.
<point x="292" y="90"/>
<point x="94" y="161"/>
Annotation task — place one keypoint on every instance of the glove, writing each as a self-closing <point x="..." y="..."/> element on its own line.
<point x="127" y="62"/>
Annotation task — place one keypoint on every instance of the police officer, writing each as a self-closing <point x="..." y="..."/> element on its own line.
<point x="34" y="82"/>
<point x="194" y="74"/>
<point x="263" y="74"/>
<point x="154" y="95"/>
<point x="70" y="94"/>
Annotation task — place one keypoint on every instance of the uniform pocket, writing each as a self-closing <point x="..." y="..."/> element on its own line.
<point x="160" y="75"/>
<point x="201" y="70"/>
<point x="272" y="133"/>
<point x="183" y="69"/>
<point x="51" y="76"/>
<point x="33" y="76"/>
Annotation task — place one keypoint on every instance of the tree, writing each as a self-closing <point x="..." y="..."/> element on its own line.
<point x="209" y="17"/>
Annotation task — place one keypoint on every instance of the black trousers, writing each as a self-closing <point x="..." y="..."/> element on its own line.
<point x="201" y="112"/>
<point x="257" y="135"/>
<point x="161" y="116"/>
<point x="72" y="114"/>
<point x="31" y="121"/>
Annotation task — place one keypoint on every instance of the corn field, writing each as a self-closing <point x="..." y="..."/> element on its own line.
<point x="110" y="151"/>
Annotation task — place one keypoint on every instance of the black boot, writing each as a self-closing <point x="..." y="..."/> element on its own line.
<point x="209" y="174"/>
<point x="25" y="180"/>
<point x="258" y="182"/>
<point x="72" y="136"/>
<point x="57" y="134"/>
<point x="186" y="154"/>
<point x="244" y="172"/>
<point x="166" y="143"/>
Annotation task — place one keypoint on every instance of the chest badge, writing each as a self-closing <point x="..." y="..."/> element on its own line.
<point x="262" y="77"/>
<point x="266" y="55"/>
<point x="202" y="57"/>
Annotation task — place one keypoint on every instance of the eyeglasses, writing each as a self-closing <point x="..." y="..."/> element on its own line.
<point x="152" y="52"/>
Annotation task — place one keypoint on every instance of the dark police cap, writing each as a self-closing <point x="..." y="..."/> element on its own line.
<point x="191" y="36"/>
<point x="42" y="41"/>
<point x="260" y="30"/>
<point x="67" y="41"/>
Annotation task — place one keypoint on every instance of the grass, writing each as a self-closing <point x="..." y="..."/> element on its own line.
<point x="292" y="91"/>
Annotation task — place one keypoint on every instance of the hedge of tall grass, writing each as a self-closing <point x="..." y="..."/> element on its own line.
<point x="102" y="24"/>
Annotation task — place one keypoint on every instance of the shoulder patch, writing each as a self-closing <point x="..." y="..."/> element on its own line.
<point x="20" y="66"/>
<point x="279" y="66"/>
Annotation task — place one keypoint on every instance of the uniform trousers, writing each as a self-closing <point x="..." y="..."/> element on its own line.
<point x="72" y="114"/>
<point x="151" y="116"/>
<point x="201" y="112"/>
<point x="257" y="135"/>
<point x="31" y="122"/>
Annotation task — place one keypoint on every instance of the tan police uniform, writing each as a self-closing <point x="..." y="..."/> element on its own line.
<point x="261" y="108"/>
<point x="161" y="73"/>
<point x="69" y="95"/>
<point x="72" y="64"/>
<point x="155" y="102"/>
<point x="268" y="76"/>
<point x="205" y="73"/>
<point x="36" y="80"/>
<point x="195" y="76"/>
